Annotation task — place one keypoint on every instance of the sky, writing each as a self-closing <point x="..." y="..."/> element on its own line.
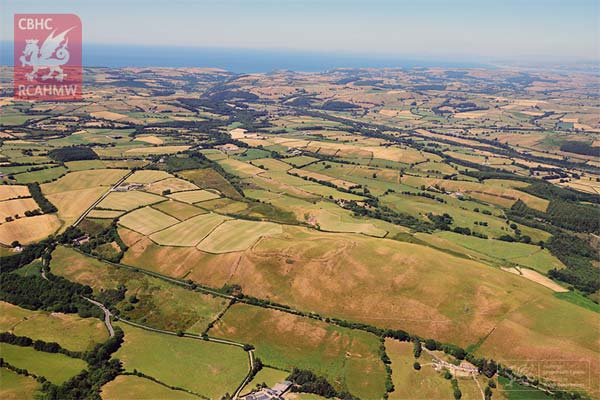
<point x="453" y="29"/>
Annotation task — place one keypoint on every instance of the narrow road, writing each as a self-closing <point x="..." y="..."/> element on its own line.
<point x="248" y="377"/>
<point x="90" y="208"/>
<point x="107" y="315"/>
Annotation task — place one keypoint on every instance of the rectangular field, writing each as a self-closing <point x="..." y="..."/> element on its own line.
<point x="194" y="196"/>
<point x="30" y="229"/>
<point x="129" y="200"/>
<point x="10" y="208"/>
<point x="171" y="184"/>
<point x="206" y="368"/>
<point x="13" y="191"/>
<point x="189" y="232"/>
<point x="69" y="330"/>
<point x="237" y="235"/>
<point x="55" y="367"/>
<point x="147" y="220"/>
<point x="147" y="176"/>
<point x="286" y="341"/>
<point x="179" y="210"/>
<point x="135" y="387"/>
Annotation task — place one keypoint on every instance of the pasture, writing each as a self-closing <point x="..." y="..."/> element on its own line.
<point x="268" y="376"/>
<point x="147" y="220"/>
<point x="161" y="304"/>
<point x="523" y="254"/>
<point x="44" y="175"/>
<point x="203" y="367"/>
<point x="349" y="358"/>
<point x="69" y="330"/>
<point x="370" y="280"/>
<point x="17" y="387"/>
<point x="189" y="232"/>
<point x="135" y="387"/>
<point x="410" y="383"/>
<point x="237" y="235"/>
<point x="55" y="367"/>
<point x="208" y="178"/>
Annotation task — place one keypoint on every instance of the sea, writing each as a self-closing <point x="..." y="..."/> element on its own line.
<point x="243" y="60"/>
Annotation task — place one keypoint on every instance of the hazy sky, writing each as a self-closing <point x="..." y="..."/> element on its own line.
<point x="434" y="28"/>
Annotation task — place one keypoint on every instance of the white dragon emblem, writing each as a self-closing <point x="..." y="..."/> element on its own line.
<point x="41" y="58"/>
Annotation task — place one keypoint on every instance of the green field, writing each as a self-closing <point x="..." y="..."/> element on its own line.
<point x="208" y="178"/>
<point x="205" y="368"/>
<point x="55" y="367"/>
<point x="69" y="330"/>
<point x="17" y="387"/>
<point x="268" y="376"/>
<point x="147" y="220"/>
<point x="44" y="175"/>
<point x="160" y="304"/>
<point x="523" y="254"/>
<point x="515" y="391"/>
<point x="410" y="383"/>
<point x="189" y="232"/>
<point x="134" y="387"/>
<point x="348" y="358"/>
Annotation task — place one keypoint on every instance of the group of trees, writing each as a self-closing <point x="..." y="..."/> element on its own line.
<point x="73" y="153"/>
<point x="306" y="381"/>
<point x="52" y="294"/>
<point x="36" y="192"/>
<point x="102" y="368"/>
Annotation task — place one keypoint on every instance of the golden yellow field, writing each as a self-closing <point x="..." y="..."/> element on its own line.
<point x="13" y="191"/>
<point x="147" y="220"/>
<point x="30" y="229"/>
<point x="156" y="150"/>
<point x="172" y="184"/>
<point x="72" y="204"/>
<point x="237" y="235"/>
<point x="11" y="208"/>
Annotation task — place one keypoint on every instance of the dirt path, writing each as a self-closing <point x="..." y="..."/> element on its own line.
<point x="479" y="386"/>
<point x="107" y="315"/>
<point x="90" y="208"/>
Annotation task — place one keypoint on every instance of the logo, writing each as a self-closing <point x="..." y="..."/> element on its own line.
<point x="47" y="57"/>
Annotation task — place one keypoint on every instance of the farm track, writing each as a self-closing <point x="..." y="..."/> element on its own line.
<point x="90" y="208"/>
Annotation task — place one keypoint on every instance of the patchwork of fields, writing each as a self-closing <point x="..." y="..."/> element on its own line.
<point x="240" y="229"/>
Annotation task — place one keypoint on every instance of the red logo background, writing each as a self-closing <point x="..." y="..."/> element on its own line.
<point x="47" y="57"/>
